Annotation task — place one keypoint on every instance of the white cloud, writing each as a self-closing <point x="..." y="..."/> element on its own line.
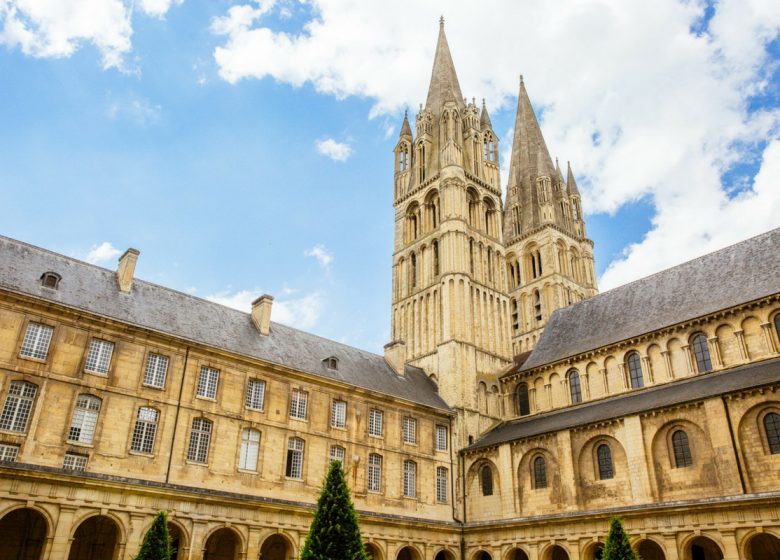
<point x="103" y="253"/>
<point x="58" y="28"/>
<point x="301" y="312"/>
<point x="138" y="110"/>
<point x="334" y="150"/>
<point x="642" y="97"/>
<point x="323" y="256"/>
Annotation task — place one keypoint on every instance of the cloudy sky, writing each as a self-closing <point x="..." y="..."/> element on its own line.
<point x="245" y="146"/>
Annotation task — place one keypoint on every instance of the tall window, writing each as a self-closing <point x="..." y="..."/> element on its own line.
<point x="540" y="473"/>
<point x="200" y="437"/>
<point x="410" y="430"/>
<point x="515" y="315"/>
<point x="295" y="448"/>
<point x="250" y="449"/>
<point x="36" y="341"/>
<point x="156" y="370"/>
<point x="702" y="353"/>
<point x="486" y="480"/>
<point x="299" y="402"/>
<point x="441" y="438"/>
<point x="84" y="421"/>
<point x="145" y="430"/>
<point x="99" y="357"/>
<point x="772" y="429"/>
<point x="575" y="390"/>
<point x="410" y="479"/>
<point x="338" y="414"/>
<point x="521" y="400"/>
<point x="17" y="407"/>
<point x="604" y="455"/>
<point x="337" y="453"/>
<point x="682" y="451"/>
<point x="537" y="305"/>
<point x="777" y="324"/>
<point x="413" y="271"/>
<point x="208" y="380"/>
<point x="255" y="394"/>
<point x="634" y="365"/>
<point x="8" y="453"/>
<point x="441" y="484"/>
<point x="435" y="246"/>
<point x="375" y="422"/>
<point x="374" y="472"/>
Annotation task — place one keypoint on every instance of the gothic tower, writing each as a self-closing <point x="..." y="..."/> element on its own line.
<point x="450" y="307"/>
<point x="549" y="257"/>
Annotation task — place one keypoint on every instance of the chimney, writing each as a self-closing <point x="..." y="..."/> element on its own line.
<point x="126" y="269"/>
<point x="395" y="356"/>
<point x="261" y="313"/>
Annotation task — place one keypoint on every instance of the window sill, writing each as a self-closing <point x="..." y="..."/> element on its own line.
<point x="291" y="479"/>
<point x="298" y="419"/>
<point x="196" y="464"/>
<point x="98" y="373"/>
<point x="410" y="443"/>
<point x="205" y="398"/>
<point x="33" y="359"/>
<point x="339" y="428"/>
<point x="246" y="471"/>
<point x="14" y="433"/>
<point x="141" y="454"/>
<point x="156" y="387"/>
<point x="376" y="436"/>
<point x="254" y="409"/>
<point x="80" y="444"/>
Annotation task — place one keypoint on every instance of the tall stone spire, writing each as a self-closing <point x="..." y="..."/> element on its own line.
<point x="444" y="81"/>
<point x="484" y="119"/>
<point x="571" y="184"/>
<point x="406" y="130"/>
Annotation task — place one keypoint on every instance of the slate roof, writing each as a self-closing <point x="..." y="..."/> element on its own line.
<point x="743" y="272"/>
<point x="651" y="398"/>
<point x="94" y="289"/>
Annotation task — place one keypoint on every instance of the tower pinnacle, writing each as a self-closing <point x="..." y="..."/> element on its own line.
<point x="444" y="84"/>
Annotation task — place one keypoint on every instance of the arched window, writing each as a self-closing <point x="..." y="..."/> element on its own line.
<point x="413" y="271"/>
<point x="50" y="280"/>
<point x="435" y="246"/>
<point x="777" y="325"/>
<point x="574" y="386"/>
<point x="702" y="353"/>
<point x="515" y="315"/>
<point x="604" y="455"/>
<point x="540" y="473"/>
<point x="772" y="429"/>
<point x="682" y="451"/>
<point x="537" y="305"/>
<point x="634" y="365"/>
<point x="18" y="406"/>
<point x="521" y="400"/>
<point x="471" y="256"/>
<point x="84" y="421"/>
<point x="486" y="480"/>
<point x="250" y="449"/>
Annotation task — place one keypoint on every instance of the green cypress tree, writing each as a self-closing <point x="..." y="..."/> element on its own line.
<point x="157" y="541"/>
<point x="617" y="546"/>
<point x="334" y="533"/>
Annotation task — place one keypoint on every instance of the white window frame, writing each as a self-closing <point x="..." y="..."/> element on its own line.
<point x="409" y="430"/>
<point x="338" y="453"/>
<point x="19" y="403"/>
<point x="374" y="482"/>
<point x="299" y="404"/>
<point x="208" y="382"/>
<point x="338" y="414"/>
<point x="156" y="371"/>
<point x="250" y="449"/>
<point x="410" y="479"/>
<point x="8" y="453"/>
<point x="200" y="440"/>
<point x="75" y="462"/>
<point x="296" y="448"/>
<point x="442" y="495"/>
<point x="442" y="434"/>
<point x="145" y="430"/>
<point x="99" y="356"/>
<point x="376" y="420"/>
<point x="255" y="394"/>
<point x="84" y="420"/>
<point x="36" y="341"/>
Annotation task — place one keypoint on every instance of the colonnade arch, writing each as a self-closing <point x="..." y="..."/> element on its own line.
<point x="278" y="547"/>
<point x="222" y="544"/>
<point x="701" y="548"/>
<point x="444" y="555"/>
<point x="23" y="534"/>
<point x="650" y="550"/>
<point x="555" y="552"/>
<point x="96" y="538"/>
<point x="373" y="551"/>
<point x="593" y="551"/>
<point x="517" y="554"/>
<point x="762" y="546"/>
<point x="408" y="553"/>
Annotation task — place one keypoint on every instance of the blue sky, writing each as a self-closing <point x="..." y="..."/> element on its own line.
<point x="190" y="131"/>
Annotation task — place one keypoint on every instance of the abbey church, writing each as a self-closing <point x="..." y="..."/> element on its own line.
<point x="514" y="412"/>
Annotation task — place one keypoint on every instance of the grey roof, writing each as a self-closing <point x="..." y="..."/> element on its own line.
<point x="637" y="401"/>
<point x="94" y="289"/>
<point x="743" y="272"/>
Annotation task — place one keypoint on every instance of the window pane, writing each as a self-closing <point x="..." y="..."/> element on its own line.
<point x="17" y="407"/>
<point x="8" y="452"/>
<point x="74" y="462"/>
<point x="635" y="370"/>
<point x="772" y="428"/>
<point x="250" y="450"/>
<point x="294" y="458"/>
<point x="84" y="421"/>
<point x="338" y="414"/>
<point x="702" y="353"/>
<point x="441" y="484"/>
<point x="486" y="476"/>
<point x="606" y="470"/>
<point x="441" y="438"/>
<point x="99" y="357"/>
<point x="574" y="386"/>
<point x="540" y="473"/>
<point x="207" y="382"/>
<point x="298" y="404"/>
<point x="200" y="438"/>
<point x="156" y="370"/>
<point x="374" y="472"/>
<point x="521" y="396"/>
<point x="410" y="430"/>
<point x="145" y="430"/>
<point x="255" y="394"/>
<point x="410" y="479"/>
<point x="682" y="451"/>
<point x="337" y="453"/>
<point x="375" y="420"/>
<point x="36" y="341"/>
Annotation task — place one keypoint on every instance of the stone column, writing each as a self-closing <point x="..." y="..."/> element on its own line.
<point x="717" y="359"/>
<point x="648" y="367"/>
<point x="689" y="360"/>
<point x="62" y="534"/>
<point x="766" y="328"/>
<point x="548" y="395"/>
<point x="624" y="376"/>
<point x="532" y="399"/>
<point x="135" y="534"/>
<point x="605" y="380"/>
<point x="586" y="385"/>
<point x="670" y="545"/>
<point x="731" y="550"/>
<point x="740" y="334"/>
<point x="668" y="364"/>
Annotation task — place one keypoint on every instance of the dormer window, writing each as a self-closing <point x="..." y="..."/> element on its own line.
<point x="331" y="363"/>
<point x="50" y="280"/>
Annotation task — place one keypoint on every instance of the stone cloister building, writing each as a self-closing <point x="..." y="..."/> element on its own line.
<point x="514" y="412"/>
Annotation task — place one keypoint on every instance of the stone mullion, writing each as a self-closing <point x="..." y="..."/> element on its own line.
<point x="766" y="328"/>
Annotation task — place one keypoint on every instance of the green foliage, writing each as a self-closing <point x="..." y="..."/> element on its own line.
<point x="617" y="546"/>
<point x="157" y="541"/>
<point x="334" y="533"/>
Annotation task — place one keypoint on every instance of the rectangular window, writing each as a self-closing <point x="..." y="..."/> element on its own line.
<point x="207" y="382"/>
<point x="410" y="479"/>
<point x="84" y="421"/>
<point x="375" y="422"/>
<point x="18" y="405"/>
<point x="99" y="357"/>
<point x="441" y="438"/>
<point x="75" y="462"/>
<point x="156" y="371"/>
<point x="295" y="448"/>
<point x="337" y="453"/>
<point x="200" y="437"/>
<point x="36" y="341"/>
<point x="338" y="414"/>
<point x="255" y="394"/>
<point x="299" y="401"/>
<point x="441" y="484"/>
<point x="145" y="430"/>
<point x="8" y="452"/>
<point x="374" y="472"/>
<point x="410" y="430"/>
<point x="250" y="450"/>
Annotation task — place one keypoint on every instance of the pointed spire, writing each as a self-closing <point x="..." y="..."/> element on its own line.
<point x="484" y="119"/>
<point x="558" y="173"/>
<point x="570" y="182"/>
<point x="406" y="130"/>
<point x="444" y="81"/>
